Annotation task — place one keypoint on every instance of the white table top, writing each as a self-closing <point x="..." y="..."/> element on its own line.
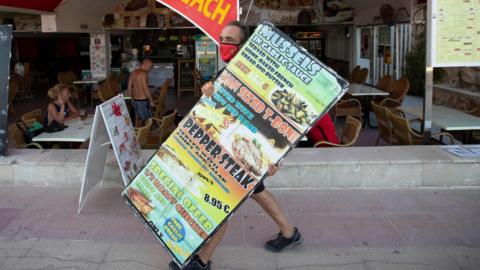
<point x="357" y="90"/>
<point x="126" y="95"/>
<point x="77" y="131"/>
<point x="457" y="90"/>
<point x="446" y="118"/>
<point x="89" y="81"/>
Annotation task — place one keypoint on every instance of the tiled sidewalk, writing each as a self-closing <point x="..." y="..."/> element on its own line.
<point x="362" y="223"/>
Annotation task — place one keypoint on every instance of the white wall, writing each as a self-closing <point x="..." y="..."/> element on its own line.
<point x="71" y="14"/>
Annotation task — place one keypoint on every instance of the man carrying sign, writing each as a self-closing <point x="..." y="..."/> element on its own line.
<point x="233" y="36"/>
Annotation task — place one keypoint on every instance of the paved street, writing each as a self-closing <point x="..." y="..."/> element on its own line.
<point x="342" y="229"/>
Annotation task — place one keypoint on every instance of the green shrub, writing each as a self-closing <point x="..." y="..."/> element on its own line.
<point x="415" y="67"/>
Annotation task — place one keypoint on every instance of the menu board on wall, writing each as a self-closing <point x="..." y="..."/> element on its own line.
<point x="455" y="33"/>
<point x="98" y="56"/>
<point x="266" y="99"/>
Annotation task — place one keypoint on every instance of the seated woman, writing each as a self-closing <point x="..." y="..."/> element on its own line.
<point x="60" y="109"/>
<point x="323" y="130"/>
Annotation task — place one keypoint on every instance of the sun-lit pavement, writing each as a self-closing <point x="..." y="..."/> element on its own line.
<point x="342" y="229"/>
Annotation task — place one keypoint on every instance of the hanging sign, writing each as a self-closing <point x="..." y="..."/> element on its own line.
<point x="208" y="15"/>
<point x="265" y="101"/>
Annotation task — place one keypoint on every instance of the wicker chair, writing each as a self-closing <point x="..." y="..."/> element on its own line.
<point x="113" y="84"/>
<point x="161" y="99"/>
<point x="68" y="78"/>
<point x="405" y="135"/>
<point x="13" y="88"/>
<point x="359" y="75"/>
<point x="32" y="116"/>
<point x="397" y="92"/>
<point x="104" y="92"/>
<point x="385" y="83"/>
<point x="350" y="133"/>
<point x="347" y="107"/>
<point x="165" y="127"/>
<point x="383" y="122"/>
<point x="142" y="132"/>
<point x="354" y="72"/>
<point x="16" y="136"/>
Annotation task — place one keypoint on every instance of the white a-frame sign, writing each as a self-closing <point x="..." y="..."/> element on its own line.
<point x="112" y="126"/>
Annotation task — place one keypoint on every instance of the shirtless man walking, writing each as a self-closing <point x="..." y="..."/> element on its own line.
<point x="138" y="89"/>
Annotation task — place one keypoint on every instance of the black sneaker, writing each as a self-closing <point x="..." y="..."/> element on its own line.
<point x="194" y="264"/>
<point x="281" y="242"/>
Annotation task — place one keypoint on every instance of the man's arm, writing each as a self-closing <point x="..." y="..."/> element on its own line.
<point x="146" y="89"/>
<point x="130" y="85"/>
<point x="73" y="111"/>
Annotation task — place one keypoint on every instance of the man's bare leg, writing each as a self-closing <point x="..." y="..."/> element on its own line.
<point x="207" y="251"/>
<point x="270" y="205"/>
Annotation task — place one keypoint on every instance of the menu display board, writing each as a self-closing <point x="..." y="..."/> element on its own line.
<point x="112" y="127"/>
<point x="455" y="33"/>
<point x="266" y="99"/>
<point x="122" y="137"/>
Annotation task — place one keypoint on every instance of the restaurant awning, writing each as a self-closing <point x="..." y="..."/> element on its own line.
<point x="44" y="5"/>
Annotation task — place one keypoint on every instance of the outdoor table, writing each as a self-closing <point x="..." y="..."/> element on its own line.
<point x="126" y="95"/>
<point x="87" y="81"/>
<point x="77" y="131"/>
<point x="367" y="92"/>
<point x="456" y="90"/>
<point x="91" y="82"/>
<point x="447" y="119"/>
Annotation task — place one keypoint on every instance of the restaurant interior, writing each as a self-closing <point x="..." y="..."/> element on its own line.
<point x="378" y="46"/>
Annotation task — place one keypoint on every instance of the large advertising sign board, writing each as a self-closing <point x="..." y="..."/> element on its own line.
<point x="455" y="35"/>
<point x="210" y="16"/>
<point x="266" y="99"/>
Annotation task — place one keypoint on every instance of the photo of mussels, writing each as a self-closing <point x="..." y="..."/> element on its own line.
<point x="292" y="106"/>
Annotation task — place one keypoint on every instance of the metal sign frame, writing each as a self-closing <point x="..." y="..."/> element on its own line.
<point x="5" y="54"/>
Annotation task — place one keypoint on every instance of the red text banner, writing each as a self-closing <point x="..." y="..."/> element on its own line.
<point x="209" y="15"/>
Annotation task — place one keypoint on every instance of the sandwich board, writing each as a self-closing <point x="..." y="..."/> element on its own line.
<point x="112" y="127"/>
<point x="266" y="99"/>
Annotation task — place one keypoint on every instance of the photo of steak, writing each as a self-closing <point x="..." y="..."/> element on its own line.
<point x="249" y="153"/>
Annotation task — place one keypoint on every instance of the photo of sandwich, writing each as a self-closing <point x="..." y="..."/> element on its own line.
<point x="184" y="176"/>
<point x="143" y="205"/>
<point x="249" y="153"/>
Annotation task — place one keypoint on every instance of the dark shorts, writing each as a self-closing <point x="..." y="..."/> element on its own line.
<point x="259" y="188"/>
<point x="142" y="109"/>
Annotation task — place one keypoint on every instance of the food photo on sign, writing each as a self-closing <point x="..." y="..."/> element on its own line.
<point x="266" y="99"/>
<point x="337" y="11"/>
